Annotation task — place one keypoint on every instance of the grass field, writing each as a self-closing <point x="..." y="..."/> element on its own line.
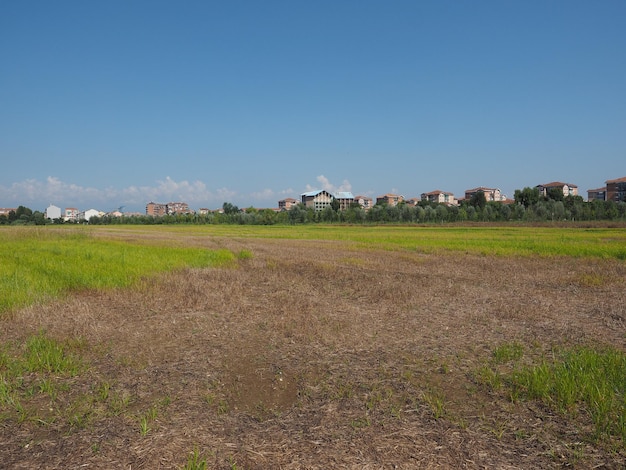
<point x="313" y="347"/>
<point x="504" y="240"/>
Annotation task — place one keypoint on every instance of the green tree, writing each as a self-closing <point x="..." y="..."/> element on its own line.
<point x="478" y="199"/>
<point x="229" y="208"/>
<point x="527" y="197"/>
<point x="555" y="194"/>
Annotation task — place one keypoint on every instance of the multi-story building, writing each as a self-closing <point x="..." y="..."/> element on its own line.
<point x="491" y="194"/>
<point x="53" y="212"/>
<point x="287" y="203"/>
<point x="414" y="201"/>
<point x="440" y="197"/>
<point x="71" y="214"/>
<point x="389" y="199"/>
<point x="345" y="198"/>
<point x="317" y="200"/>
<point x="567" y="188"/>
<point x="364" y="201"/>
<point x="173" y="208"/>
<point x="598" y="194"/>
<point x="156" y="209"/>
<point x="616" y="190"/>
<point x="89" y="213"/>
<point x="6" y="211"/>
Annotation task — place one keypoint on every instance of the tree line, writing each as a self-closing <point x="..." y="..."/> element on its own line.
<point x="529" y="206"/>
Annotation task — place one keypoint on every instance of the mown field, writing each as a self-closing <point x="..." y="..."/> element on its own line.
<point x="313" y="347"/>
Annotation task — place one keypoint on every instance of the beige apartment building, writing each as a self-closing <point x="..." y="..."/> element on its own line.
<point x="491" y="194"/>
<point x="364" y="201"/>
<point x="441" y="197"/>
<point x="6" y="210"/>
<point x="567" y="188"/>
<point x="389" y="199"/>
<point x="286" y="204"/>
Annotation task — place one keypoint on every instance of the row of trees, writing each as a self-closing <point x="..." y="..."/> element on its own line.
<point x="24" y="216"/>
<point x="529" y="206"/>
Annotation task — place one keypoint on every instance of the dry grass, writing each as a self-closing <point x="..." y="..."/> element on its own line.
<point x="312" y="356"/>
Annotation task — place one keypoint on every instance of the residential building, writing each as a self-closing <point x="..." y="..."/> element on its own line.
<point x="616" y="190"/>
<point x="317" y="200"/>
<point x="364" y="201"/>
<point x="204" y="211"/>
<point x="389" y="199"/>
<point x="491" y="194"/>
<point x="596" y="194"/>
<point x="286" y="204"/>
<point x="440" y="197"/>
<point x="71" y="214"/>
<point x="173" y="208"/>
<point x="88" y="214"/>
<point x="6" y="210"/>
<point x="414" y="201"/>
<point x="53" y="212"/>
<point x="567" y="188"/>
<point x="345" y="198"/>
<point x="156" y="209"/>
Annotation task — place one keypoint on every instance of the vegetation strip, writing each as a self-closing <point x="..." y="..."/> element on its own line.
<point x="505" y="240"/>
<point x="572" y="381"/>
<point x="38" y="264"/>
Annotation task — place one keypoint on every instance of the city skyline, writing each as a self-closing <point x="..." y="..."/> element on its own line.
<point x="324" y="185"/>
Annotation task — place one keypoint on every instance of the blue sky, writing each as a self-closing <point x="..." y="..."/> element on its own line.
<point x="111" y="103"/>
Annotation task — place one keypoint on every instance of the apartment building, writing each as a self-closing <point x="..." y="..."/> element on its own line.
<point x="317" y="200"/>
<point x="567" y="188"/>
<point x="389" y="199"/>
<point x="71" y="214"/>
<point x="6" y="210"/>
<point x="52" y="212"/>
<point x="440" y="197"/>
<point x="616" y="189"/>
<point x="156" y="209"/>
<point x="345" y="198"/>
<point x="287" y="203"/>
<point x="491" y="194"/>
<point x="598" y="194"/>
<point x="364" y="201"/>
<point x="173" y="208"/>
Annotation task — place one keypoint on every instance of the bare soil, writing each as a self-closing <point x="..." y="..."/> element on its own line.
<point x="312" y="355"/>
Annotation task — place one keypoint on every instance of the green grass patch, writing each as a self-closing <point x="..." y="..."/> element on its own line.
<point x="504" y="240"/>
<point x="581" y="380"/>
<point x="41" y="365"/>
<point x="38" y="264"/>
<point x="575" y="382"/>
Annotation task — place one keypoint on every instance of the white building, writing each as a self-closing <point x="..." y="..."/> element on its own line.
<point x="88" y="214"/>
<point x="53" y="212"/>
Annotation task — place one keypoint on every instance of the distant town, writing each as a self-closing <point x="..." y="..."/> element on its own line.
<point x="320" y="200"/>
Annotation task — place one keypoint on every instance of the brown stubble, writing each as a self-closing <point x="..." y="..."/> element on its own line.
<point x="315" y="355"/>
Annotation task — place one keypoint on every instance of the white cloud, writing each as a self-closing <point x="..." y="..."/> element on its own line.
<point x="38" y="194"/>
<point x="328" y="186"/>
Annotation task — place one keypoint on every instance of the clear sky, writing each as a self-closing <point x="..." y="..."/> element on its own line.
<point x="110" y="103"/>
